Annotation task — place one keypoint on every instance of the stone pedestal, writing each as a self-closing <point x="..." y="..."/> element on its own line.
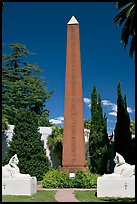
<point x="115" y="187"/>
<point x="19" y="186"/>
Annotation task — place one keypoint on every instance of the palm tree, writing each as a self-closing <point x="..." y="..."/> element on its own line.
<point x="127" y="15"/>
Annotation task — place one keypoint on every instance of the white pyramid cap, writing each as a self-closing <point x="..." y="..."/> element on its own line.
<point x="73" y="20"/>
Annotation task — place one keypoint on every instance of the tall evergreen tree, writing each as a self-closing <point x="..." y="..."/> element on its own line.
<point x="122" y="129"/>
<point x="22" y="87"/>
<point x="132" y="127"/>
<point x="98" y="140"/>
<point x="27" y="144"/>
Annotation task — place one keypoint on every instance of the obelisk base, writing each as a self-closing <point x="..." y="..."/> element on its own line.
<point x="72" y="169"/>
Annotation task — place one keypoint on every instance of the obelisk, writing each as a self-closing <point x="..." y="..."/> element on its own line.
<point x="73" y="156"/>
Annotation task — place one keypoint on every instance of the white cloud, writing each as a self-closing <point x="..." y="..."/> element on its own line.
<point x="86" y="100"/>
<point x="60" y="118"/>
<point x="130" y="110"/>
<point x="114" y="107"/>
<point x="113" y="113"/>
<point x="55" y="121"/>
<point x="106" y="103"/>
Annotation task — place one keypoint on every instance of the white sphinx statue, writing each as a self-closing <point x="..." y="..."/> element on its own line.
<point x="11" y="170"/>
<point x="121" y="169"/>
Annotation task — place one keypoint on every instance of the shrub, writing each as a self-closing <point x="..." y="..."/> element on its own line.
<point x="85" y="180"/>
<point x="80" y="179"/>
<point x="56" y="179"/>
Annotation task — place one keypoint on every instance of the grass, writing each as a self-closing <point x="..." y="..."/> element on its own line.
<point x="90" y="196"/>
<point x="49" y="196"/>
<point x="40" y="196"/>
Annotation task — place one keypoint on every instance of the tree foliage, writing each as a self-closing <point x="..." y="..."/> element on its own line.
<point x="87" y="124"/>
<point x="27" y="144"/>
<point x="122" y="129"/>
<point x="98" y="140"/>
<point x="127" y="15"/>
<point x="132" y="127"/>
<point x="55" y="141"/>
<point x="22" y="87"/>
<point x="5" y="123"/>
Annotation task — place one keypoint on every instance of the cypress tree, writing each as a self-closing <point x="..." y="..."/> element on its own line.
<point x="98" y="140"/>
<point x="27" y="144"/>
<point x="132" y="127"/>
<point x="122" y="128"/>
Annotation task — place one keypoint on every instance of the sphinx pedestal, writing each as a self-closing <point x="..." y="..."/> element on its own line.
<point x="115" y="187"/>
<point x="19" y="186"/>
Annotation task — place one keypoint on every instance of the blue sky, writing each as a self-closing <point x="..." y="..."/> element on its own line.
<point x="42" y="27"/>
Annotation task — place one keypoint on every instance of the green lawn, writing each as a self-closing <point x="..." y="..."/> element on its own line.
<point x="40" y="196"/>
<point x="90" y="196"/>
<point x="49" y="196"/>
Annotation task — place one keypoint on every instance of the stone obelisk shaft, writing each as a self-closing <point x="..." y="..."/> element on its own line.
<point x="73" y="157"/>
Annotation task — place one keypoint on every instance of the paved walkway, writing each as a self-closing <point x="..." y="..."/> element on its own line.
<point x="65" y="194"/>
